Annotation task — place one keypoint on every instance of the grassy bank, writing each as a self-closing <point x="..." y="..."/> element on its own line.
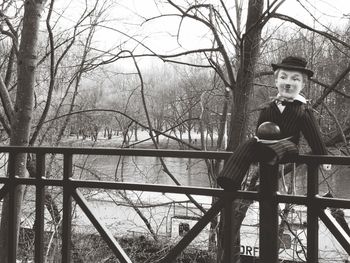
<point x="92" y="248"/>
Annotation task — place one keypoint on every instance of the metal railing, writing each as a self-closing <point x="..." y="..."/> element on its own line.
<point x="268" y="198"/>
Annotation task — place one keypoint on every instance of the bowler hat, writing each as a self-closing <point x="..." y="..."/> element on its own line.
<point x="294" y="63"/>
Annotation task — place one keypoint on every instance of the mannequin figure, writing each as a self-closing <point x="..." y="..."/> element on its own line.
<point x="279" y="126"/>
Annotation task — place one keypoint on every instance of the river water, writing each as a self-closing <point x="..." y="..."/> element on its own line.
<point x="190" y="172"/>
<point x="193" y="172"/>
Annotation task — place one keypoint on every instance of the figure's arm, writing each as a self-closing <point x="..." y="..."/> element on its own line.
<point x="312" y="134"/>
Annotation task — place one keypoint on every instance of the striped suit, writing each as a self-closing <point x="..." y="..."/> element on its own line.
<point x="295" y="119"/>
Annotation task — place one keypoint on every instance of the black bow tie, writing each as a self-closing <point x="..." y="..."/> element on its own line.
<point x="283" y="102"/>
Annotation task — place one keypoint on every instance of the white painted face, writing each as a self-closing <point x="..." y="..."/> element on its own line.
<point x="289" y="83"/>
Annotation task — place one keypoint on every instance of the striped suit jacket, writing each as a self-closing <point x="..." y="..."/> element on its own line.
<point x="296" y="118"/>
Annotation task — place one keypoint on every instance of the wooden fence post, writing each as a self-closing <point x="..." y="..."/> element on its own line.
<point x="268" y="235"/>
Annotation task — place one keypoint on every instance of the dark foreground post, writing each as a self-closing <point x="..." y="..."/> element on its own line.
<point x="268" y="237"/>
<point x="312" y="213"/>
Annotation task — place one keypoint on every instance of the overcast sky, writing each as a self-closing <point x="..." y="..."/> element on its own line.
<point x="159" y="34"/>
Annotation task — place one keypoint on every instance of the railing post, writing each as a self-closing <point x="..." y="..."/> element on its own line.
<point x="67" y="208"/>
<point x="12" y="228"/>
<point x="268" y="237"/>
<point x="39" y="208"/>
<point x="312" y="216"/>
<point x="228" y="241"/>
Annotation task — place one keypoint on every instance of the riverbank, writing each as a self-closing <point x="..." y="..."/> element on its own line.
<point x="143" y="141"/>
<point x="91" y="248"/>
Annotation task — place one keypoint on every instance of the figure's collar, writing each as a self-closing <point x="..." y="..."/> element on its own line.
<point x="298" y="98"/>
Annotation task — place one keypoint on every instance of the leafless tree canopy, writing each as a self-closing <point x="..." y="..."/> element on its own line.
<point x="188" y="74"/>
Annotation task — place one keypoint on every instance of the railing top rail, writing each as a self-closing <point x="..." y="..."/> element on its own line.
<point x="120" y="151"/>
<point x="308" y="159"/>
<point x="319" y="159"/>
<point x="71" y="190"/>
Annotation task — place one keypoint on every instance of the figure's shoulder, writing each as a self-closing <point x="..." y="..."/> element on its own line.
<point x="306" y="106"/>
<point x="302" y="102"/>
<point x="307" y="112"/>
<point x="299" y="109"/>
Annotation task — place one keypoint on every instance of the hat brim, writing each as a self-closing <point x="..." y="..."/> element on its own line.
<point x="308" y="72"/>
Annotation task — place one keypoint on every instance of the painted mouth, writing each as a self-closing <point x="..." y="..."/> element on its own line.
<point x="288" y="89"/>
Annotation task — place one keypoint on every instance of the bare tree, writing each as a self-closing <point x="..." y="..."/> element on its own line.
<point x="21" y="114"/>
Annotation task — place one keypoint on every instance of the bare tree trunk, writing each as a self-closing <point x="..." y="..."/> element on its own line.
<point x="240" y="111"/>
<point x="21" y="122"/>
<point x="245" y="76"/>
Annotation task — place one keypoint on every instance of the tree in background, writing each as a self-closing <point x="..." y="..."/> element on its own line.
<point x="74" y="76"/>
<point x="19" y="115"/>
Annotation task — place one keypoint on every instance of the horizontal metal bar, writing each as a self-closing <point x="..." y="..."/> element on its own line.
<point x="33" y="181"/>
<point x="120" y="151"/>
<point x="333" y="202"/>
<point x="340" y="160"/>
<point x="149" y="187"/>
<point x="320" y="159"/>
<point x="104" y="232"/>
<point x="318" y="201"/>
<point x="134" y="187"/>
<point x="292" y="199"/>
<point x="249" y="195"/>
<point x="161" y="188"/>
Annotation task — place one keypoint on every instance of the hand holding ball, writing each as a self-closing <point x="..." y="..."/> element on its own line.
<point x="268" y="131"/>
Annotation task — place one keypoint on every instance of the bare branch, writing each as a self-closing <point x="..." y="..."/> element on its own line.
<point x="302" y="25"/>
<point x="336" y="122"/>
<point x="118" y="56"/>
<point x="328" y="90"/>
<point x="12" y="33"/>
<point x="6" y="101"/>
<point x="9" y="70"/>
<point x="211" y="26"/>
<point x="238" y="37"/>
<point x="327" y="87"/>
<point x="5" y="124"/>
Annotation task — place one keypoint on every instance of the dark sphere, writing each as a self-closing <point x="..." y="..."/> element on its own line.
<point x="268" y="131"/>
